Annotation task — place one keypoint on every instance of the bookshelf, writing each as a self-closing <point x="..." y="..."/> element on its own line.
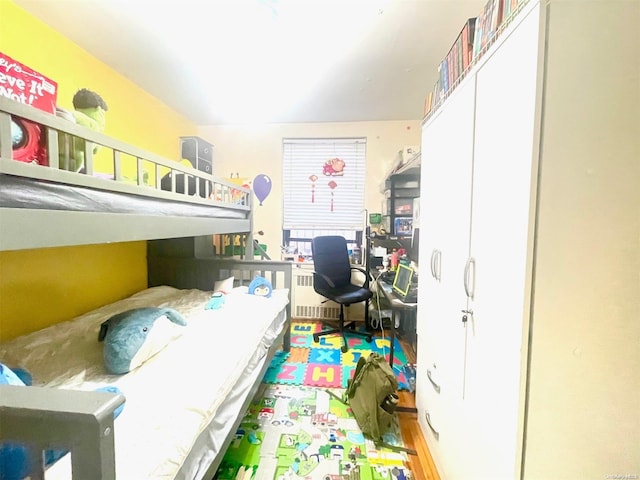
<point x="475" y="38"/>
<point x="400" y="189"/>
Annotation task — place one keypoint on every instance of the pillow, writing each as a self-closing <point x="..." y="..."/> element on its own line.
<point x="224" y="286"/>
<point x="132" y="337"/>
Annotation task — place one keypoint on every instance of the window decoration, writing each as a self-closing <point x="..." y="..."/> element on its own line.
<point x="334" y="167"/>
<point x="336" y="203"/>
<point x="332" y="186"/>
<point x="313" y="179"/>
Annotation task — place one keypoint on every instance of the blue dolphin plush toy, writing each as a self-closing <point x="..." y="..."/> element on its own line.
<point x="132" y="337"/>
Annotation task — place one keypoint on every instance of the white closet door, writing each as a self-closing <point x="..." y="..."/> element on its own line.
<point x="454" y="208"/>
<point x="456" y="181"/>
<point x="428" y="382"/>
<point x="445" y="211"/>
<point x="428" y="385"/>
<point x="500" y="222"/>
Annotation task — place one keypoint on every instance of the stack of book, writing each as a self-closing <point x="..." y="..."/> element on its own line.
<point x="454" y="65"/>
<point x="494" y="14"/>
<point x="476" y="35"/>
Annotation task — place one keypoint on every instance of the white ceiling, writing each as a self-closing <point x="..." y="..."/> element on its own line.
<point x="229" y="61"/>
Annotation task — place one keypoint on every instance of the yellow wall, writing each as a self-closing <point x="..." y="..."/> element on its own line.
<point x="48" y="285"/>
<point x="41" y="287"/>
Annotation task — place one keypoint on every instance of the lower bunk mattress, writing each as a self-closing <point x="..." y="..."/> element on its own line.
<point x="181" y="403"/>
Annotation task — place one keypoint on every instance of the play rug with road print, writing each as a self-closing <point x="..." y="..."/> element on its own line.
<point x="323" y="364"/>
<point x="304" y="433"/>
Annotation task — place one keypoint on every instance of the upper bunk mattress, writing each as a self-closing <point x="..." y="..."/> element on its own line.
<point x="33" y="193"/>
<point x="171" y="398"/>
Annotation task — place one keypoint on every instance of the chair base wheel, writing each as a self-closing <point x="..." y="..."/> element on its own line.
<point x="344" y="349"/>
<point x="369" y="338"/>
<point x="316" y="338"/>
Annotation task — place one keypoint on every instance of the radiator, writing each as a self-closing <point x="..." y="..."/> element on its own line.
<point x="308" y="305"/>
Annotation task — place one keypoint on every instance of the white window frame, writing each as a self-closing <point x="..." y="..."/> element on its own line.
<point x="318" y="198"/>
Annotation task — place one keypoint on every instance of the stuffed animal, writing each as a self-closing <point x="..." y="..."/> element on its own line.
<point x="216" y="301"/>
<point x="132" y="337"/>
<point x="15" y="463"/>
<point x="260" y="286"/>
<point x="90" y="111"/>
<point x="15" y="376"/>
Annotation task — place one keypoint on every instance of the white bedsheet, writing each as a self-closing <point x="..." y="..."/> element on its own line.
<point x="171" y="398"/>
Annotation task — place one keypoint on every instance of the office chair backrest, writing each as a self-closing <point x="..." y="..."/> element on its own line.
<point x="331" y="258"/>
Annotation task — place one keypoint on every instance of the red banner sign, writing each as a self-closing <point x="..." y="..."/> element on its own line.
<point x="22" y="84"/>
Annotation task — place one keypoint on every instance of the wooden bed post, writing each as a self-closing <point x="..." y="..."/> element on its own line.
<point x="79" y="421"/>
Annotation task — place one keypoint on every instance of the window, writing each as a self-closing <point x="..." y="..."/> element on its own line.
<point x="323" y="190"/>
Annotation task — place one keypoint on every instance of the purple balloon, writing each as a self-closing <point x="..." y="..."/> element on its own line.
<point x="261" y="187"/>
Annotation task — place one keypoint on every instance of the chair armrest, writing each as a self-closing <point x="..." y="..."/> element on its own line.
<point x="325" y="278"/>
<point x="364" y="272"/>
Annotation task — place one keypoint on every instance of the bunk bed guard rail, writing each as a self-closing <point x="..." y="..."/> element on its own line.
<point x="55" y="128"/>
<point x="128" y="197"/>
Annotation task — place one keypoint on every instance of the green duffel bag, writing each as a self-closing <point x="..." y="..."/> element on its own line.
<point x="371" y="394"/>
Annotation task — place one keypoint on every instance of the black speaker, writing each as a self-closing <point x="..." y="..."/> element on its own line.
<point x="199" y="152"/>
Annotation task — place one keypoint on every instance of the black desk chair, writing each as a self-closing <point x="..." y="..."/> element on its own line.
<point x="332" y="279"/>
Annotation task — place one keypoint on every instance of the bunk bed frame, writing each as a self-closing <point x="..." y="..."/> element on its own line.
<point x="138" y="211"/>
<point x="179" y="228"/>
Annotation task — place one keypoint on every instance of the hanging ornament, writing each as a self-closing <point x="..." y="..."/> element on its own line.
<point x="332" y="186"/>
<point x="313" y="179"/>
<point x="333" y="167"/>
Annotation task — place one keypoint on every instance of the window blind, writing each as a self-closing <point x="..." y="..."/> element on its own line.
<point x="323" y="183"/>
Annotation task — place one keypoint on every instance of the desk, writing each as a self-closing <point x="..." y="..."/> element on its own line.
<point x="397" y="305"/>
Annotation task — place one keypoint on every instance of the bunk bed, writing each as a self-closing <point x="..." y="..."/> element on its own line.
<point x="181" y="408"/>
<point x="54" y="205"/>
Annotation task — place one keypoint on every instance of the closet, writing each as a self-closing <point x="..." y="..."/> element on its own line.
<point x="530" y="248"/>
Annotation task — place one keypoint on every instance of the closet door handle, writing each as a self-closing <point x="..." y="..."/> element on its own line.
<point x="433" y="254"/>
<point x="472" y="264"/>
<point x="433" y="263"/>
<point x="470" y="277"/>
<point x="436" y="434"/>
<point x="436" y="259"/>
<point x="435" y="386"/>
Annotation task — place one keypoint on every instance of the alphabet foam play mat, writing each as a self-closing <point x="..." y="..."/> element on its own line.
<point x="323" y="364"/>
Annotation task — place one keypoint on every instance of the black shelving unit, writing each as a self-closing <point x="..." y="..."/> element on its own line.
<point x="401" y="188"/>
